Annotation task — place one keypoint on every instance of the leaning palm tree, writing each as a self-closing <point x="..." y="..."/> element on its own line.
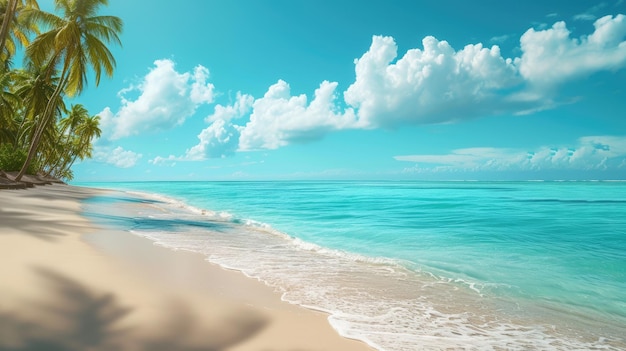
<point x="75" y="42"/>
<point x="35" y="92"/>
<point x="63" y="150"/>
<point x="87" y="130"/>
<point x="10" y="7"/>
<point x="77" y="114"/>
<point x="16" y="28"/>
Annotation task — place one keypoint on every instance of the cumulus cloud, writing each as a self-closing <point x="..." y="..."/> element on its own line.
<point x="435" y="83"/>
<point x="241" y="106"/>
<point x="117" y="157"/>
<point x="429" y="85"/>
<point x="278" y="118"/>
<point x="438" y="84"/>
<point x="275" y="120"/>
<point x="551" y="56"/>
<point x="591" y="152"/>
<point x="220" y="139"/>
<point x="166" y="98"/>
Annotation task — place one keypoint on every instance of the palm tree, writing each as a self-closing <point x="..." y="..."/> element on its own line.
<point x="15" y="27"/>
<point x="35" y="92"/>
<point x="78" y="113"/>
<point x="75" y="146"/>
<point x="85" y="132"/>
<point x="9" y="104"/>
<point x="9" y="14"/>
<point x="62" y="151"/>
<point x="75" y="42"/>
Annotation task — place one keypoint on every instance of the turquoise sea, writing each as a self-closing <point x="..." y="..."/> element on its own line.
<point x="413" y="265"/>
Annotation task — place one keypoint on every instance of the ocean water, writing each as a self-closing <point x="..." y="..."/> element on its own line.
<point x="413" y="265"/>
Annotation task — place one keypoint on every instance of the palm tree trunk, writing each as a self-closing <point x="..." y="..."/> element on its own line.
<point x="6" y="23"/>
<point x="69" y="164"/>
<point x="53" y="166"/>
<point x="61" y="158"/>
<point x="48" y="113"/>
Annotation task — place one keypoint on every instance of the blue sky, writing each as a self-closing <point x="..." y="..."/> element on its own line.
<point x="246" y="90"/>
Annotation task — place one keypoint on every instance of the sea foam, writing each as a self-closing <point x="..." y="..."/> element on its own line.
<point x="388" y="303"/>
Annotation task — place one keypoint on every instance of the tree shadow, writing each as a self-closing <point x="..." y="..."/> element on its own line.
<point x="28" y="224"/>
<point x="76" y="317"/>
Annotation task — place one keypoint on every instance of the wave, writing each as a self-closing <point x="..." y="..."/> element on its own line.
<point x="390" y="304"/>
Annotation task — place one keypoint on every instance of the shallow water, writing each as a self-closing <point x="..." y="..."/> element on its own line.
<point x="414" y="265"/>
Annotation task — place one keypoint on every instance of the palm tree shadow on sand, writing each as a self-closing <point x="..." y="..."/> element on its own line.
<point x="79" y="318"/>
<point x="28" y="224"/>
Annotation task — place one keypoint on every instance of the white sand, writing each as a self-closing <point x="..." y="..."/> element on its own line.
<point x="67" y="285"/>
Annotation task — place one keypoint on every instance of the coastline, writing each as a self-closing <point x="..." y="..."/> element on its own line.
<point x="67" y="282"/>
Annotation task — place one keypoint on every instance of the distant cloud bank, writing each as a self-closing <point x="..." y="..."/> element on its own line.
<point x="431" y="84"/>
<point x="590" y="153"/>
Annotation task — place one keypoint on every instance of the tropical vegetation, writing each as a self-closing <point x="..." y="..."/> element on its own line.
<point x="39" y="132"/>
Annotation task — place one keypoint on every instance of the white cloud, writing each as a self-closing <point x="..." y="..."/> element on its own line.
<point x="590" y="14"/>
<point x="170" y="160"/>
<point x="201" y="91"/>
<point x="117" y="157"/>
<point x="551" y="57"/>
<point x="107" y="123"/>
<point x="220" y="139"/>
<point x="429" y="85"/>
<point x="166" y="98"/>
<point x="239" y="108"/>
<point x="432" y="84"/>
<point x="439" y="84"/>
<point x="592" y="152"/>
<point x="584" y="17"/>
<point x="500" y="38"/>
<point x="278" y="118"/>
<point x="469" y="158"/>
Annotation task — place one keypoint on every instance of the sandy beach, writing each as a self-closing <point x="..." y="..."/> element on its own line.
<point x="68" y="284"/>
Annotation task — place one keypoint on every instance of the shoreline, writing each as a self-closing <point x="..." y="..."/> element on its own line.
<point x="68" y="282"/>
<point x="363" y="300"/>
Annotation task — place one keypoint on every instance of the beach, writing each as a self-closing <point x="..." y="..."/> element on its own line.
<point x="67" y="283"/>
<point x="312" y="266"/>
